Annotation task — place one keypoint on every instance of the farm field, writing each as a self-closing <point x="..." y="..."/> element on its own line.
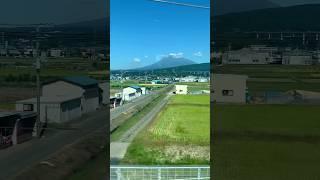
<point x="179" y="135"/>
<point x="266" y="142"/>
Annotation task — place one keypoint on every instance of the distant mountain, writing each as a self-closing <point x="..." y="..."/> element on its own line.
<point x="221" y="7"/>
<point x="98" y="25"/>
<point x="168" y="62"/>
<point x="192" y="67"/>
<point x="293" y="18"/>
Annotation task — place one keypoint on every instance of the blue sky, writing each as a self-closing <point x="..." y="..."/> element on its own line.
<point x="142" y="32"/>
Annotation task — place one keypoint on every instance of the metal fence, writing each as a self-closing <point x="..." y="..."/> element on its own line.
<point x="159" y="172"/>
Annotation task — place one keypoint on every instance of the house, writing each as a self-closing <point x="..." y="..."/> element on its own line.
<point x="229" y="88"/>
<point x="53" y="109"/>
<point x="79" y="86"/>
<point x="181" y="89"/>
<point x="131" y="92"/>
<point x="16" y="127"/>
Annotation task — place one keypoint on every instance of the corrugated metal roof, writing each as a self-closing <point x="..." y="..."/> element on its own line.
<point x="81" y="80"/>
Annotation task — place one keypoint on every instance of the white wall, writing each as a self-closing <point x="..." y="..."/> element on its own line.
<point x="235" y="83"/>
<point x="181" y="89"/>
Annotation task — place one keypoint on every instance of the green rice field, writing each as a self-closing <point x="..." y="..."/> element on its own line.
<point x="179" y="135"/>
<point x="266" y="142"/>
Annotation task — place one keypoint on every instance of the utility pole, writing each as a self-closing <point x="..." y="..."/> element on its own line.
<point x="37" y="133"/>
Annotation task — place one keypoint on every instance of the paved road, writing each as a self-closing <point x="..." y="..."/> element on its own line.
<point x="16" y="158"/>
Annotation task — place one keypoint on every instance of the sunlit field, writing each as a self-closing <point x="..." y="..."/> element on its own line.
<point x="179" y="135"/>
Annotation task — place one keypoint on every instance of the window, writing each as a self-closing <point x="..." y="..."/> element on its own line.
<point x="255" y="60"/>
<point x="28" y="107"/>
<point x="227" y="92"/>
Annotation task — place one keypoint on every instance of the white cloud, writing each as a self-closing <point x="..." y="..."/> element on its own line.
<point x="199" y="54"/>
<point x="176" y="55"/>
<point x="137" y="60"/>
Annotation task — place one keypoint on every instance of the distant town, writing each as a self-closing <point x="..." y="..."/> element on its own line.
<point x="263" y="54"/>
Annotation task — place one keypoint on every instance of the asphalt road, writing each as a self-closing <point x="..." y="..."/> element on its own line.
<point x="16" y="158"/>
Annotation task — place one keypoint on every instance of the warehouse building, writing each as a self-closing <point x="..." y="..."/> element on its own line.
<point x="229" y="88"/>
<point x="131" y="92"/>
<point x="53" y="109"/>
<point x="78" y="86"/>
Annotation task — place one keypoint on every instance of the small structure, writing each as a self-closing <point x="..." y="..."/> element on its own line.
<point x="181" y="89"/>
<point x="229" y="88"/>
<point x="143" y="90"/>
<point x="53" y="109"/>
<point x="16" y="127"/>
<point x="131" y="92"/>
<point x="104" y="92"/>
<point x="115" y="102"/>
<point x="156" y="82"/>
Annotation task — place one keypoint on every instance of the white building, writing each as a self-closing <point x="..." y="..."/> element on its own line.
<point x="188" y="79"/>
<point x="131" y="92"/>
<point x="203" y="80"/>
<point x="181" y="89"/>
<point x="229" y="88"/>
<point x="246" y="56"/>
<point x="56" y="53"/>
<point x="143" y="90"/>
<point x="81" y="86"/>
<point x="298" y="57"/>
<point x="53" y="109"/>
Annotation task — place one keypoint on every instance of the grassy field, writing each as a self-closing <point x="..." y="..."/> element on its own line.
<point x="266" y="142"/>
<point x="134" y="119"/>
<point x="179" y="135"/>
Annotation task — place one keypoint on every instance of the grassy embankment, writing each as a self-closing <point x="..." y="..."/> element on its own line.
<point x="179" y="134"/>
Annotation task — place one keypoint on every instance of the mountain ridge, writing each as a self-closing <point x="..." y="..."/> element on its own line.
<point x="168" y="62"/>
<point x="221" y="7"/>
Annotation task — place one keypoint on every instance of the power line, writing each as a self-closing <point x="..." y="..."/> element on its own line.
<point x="182" y="4"/>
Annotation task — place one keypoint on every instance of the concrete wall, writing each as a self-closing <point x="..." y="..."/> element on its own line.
<point x="56" y="112"/>
<point x="234" y="83"/>
<point x="48" y="112"/>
